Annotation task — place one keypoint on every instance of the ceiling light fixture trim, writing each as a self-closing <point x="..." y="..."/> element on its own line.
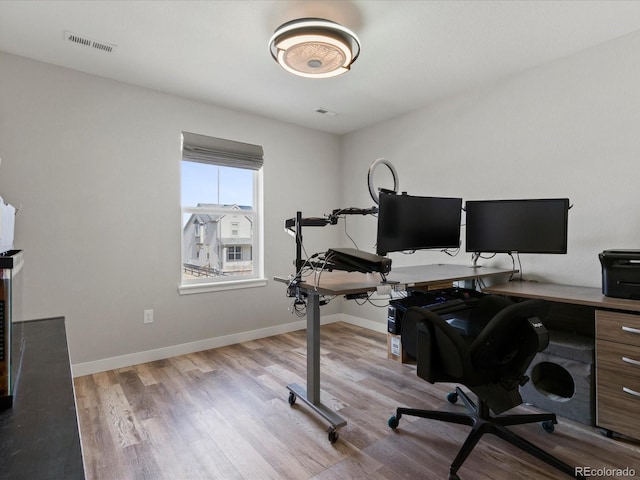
<point x="314" y="47"/>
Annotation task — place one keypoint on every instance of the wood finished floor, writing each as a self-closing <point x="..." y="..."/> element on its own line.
<point x="223" y="414"/>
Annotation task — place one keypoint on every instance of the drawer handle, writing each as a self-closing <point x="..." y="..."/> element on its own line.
<point x="631" y="330"/>
<point x="631" y="361"/>
<point x="630" y="392"/>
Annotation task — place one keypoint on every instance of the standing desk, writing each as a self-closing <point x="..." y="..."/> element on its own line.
<point x="346" y="283"/>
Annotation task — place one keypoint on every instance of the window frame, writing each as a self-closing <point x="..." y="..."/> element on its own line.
<point x="213" y="284"/>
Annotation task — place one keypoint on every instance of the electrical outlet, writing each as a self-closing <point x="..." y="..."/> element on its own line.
<point x="148" y="316"/>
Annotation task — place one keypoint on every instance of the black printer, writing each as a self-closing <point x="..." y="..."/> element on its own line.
<point x="621" y="273"/>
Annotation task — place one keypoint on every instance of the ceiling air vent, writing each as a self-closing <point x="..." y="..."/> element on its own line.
<point x="88" y="42"/>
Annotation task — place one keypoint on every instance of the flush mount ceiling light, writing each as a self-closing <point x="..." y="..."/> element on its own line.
<point x="314" y="48"/>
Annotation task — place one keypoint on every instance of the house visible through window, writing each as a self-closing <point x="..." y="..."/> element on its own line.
<point x="221" y="211"/>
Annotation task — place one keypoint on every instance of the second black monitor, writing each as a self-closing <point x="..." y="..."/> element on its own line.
<point x="407" y="223"/>
<point x="522" y="226"/>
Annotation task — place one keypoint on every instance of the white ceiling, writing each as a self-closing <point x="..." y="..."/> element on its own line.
<point x="413" y="52"/>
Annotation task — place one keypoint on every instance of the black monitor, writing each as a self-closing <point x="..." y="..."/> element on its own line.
<point x="522" y="226"/>
<point x="407" y="223"/>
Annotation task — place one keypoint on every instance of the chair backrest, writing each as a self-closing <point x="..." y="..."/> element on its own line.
<point x="484" y="311"/>
<point x="481" y="314"/>
<point x="502" y="351"/>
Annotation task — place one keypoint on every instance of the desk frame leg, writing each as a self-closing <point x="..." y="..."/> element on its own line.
<point x="312" y="396"/>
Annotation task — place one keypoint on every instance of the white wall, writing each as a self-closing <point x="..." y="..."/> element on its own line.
<point x="95" y="165"/>
<point x="568" y="129"/>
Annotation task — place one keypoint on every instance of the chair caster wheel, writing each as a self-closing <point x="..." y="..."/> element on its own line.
<point x="452" y="397"/>
<point x="453" y="476"/>
<point x="393" y="422"/>
<point x="333" y="436"/>
<point x="292" y="398"/>
<point x="548" y="426"/>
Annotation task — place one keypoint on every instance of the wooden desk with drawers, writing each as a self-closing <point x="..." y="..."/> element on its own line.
<point x="617" y="340"/>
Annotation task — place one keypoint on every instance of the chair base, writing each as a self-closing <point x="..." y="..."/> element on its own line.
<point x="481" y="421"/>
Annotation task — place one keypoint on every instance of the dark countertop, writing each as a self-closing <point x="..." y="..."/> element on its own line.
<point x="39" y="436"/>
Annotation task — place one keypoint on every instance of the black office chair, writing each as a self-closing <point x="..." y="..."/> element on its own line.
<point x="492" y="364"/>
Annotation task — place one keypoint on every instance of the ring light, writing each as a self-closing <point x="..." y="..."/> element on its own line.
<point x="372" y="190"/>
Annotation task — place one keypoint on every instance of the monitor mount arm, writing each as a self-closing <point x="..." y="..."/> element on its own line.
<point x="474" y="260"/>
<point x="295" y="225"/>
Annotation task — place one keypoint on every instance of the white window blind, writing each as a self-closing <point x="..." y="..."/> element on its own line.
<point x="220" y="151"/>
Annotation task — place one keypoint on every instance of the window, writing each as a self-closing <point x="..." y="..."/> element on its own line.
<point x="234" y="253"/>
<point x="221" y="214"/>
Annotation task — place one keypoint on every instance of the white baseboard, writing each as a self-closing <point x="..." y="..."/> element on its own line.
<point x="364" y="323"/>
<point x="112" y="363"/>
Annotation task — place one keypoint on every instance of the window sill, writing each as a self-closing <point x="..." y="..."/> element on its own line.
<point x="188" y="289"/>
